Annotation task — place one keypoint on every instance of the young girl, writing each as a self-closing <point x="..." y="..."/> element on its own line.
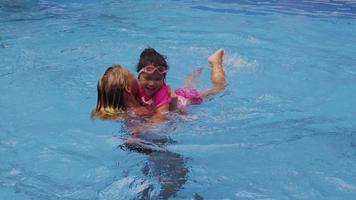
<point x="153" y="91"/>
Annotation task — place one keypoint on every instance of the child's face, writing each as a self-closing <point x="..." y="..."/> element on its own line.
<point x="151" y="82"/>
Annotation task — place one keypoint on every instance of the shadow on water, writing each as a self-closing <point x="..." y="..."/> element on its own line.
<point x="169" y="168"/>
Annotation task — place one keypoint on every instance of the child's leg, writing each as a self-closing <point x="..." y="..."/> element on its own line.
<point x="217" y="71"/>
<point x="217" y="74"/>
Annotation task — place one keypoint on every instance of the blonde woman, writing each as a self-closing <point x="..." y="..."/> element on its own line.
<point x="117" y="95"/>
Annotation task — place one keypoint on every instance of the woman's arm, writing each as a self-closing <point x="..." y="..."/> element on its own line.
<point x="159" y="115"/>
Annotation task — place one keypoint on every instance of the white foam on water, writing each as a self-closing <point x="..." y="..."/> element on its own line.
<point x="125" y="188"/>
<point x="250" y="195"/>
<point x="341" y="184"/>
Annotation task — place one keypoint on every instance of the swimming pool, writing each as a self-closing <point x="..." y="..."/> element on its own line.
<point x="284" y="128"/>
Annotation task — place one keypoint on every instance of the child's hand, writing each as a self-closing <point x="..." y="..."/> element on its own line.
<point x="171" y="92"/>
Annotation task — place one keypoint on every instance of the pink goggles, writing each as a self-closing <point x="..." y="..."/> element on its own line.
<point x="150" y="69"/>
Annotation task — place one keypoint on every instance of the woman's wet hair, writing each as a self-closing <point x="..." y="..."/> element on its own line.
<point x="150" y="56"/>
<point x="111" y="87"/>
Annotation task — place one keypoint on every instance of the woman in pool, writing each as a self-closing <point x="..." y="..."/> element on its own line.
<point x="117" y="96"/>
<point x="118" y="93"/>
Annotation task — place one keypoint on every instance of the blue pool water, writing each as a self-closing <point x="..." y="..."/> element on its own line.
<point x="284" y="128"/>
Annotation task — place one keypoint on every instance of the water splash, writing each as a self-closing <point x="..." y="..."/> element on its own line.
<point x="235" y="62"/>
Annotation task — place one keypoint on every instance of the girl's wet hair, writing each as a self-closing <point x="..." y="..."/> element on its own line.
<point x="150" y="56"/>
<point x="111" y="87"/>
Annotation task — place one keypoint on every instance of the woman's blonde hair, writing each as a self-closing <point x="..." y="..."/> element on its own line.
<point x="111" y="88"/>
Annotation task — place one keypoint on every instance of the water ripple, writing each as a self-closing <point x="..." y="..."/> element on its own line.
<point x="322" y="8"/>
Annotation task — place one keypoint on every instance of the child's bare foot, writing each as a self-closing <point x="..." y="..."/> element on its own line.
<point x="216" y="58"/>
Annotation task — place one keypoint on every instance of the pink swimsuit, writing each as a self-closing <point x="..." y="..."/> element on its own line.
<point x="184" y="95"/>
<point x="162" y="96"/>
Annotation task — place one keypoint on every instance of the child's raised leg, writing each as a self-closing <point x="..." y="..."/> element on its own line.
<point x="217" y="73"/>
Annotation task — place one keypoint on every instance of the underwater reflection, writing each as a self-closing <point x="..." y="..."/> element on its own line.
<point x="168" y="168"/>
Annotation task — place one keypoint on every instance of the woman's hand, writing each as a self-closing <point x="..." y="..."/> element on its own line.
<point x="136" y="130"/>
